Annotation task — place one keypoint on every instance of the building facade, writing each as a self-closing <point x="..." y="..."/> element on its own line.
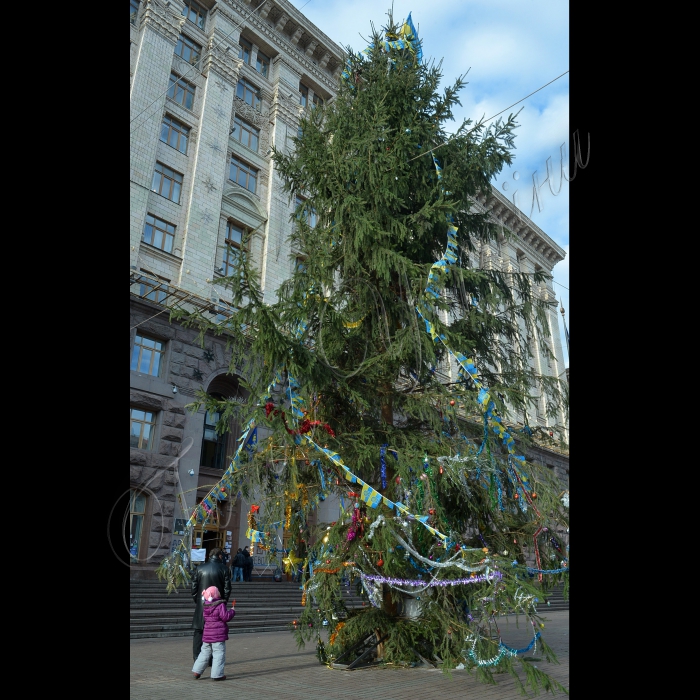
<point x="213" y="84"/>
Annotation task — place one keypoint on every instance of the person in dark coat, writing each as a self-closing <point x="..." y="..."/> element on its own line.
<point x="213" y="573"/>
<point x="238" y="565"/>
<point x="248" y="566"/>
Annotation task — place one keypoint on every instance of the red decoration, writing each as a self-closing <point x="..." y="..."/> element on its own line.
<point x="305" y="426"/>
<point x="254" y="509"/>
<point x="431" y="511"/>
<point x="380" y="562"/>
<point x="452" y="402"/>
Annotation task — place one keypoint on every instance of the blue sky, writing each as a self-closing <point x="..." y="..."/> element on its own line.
<point x="510" y="48"/>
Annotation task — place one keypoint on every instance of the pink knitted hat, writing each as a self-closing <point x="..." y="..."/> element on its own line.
<point x="211" y="593"/>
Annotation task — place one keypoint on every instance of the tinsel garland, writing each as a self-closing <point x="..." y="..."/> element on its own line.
<point x="382" y="451"/>
<point x="492" y="576"/>
<point x="503" y="650"/>
<point x="451" y="562"/>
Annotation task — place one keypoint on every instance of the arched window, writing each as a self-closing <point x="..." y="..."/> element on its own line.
<point x="217" y="449"/>
<point x="213" y="444"/>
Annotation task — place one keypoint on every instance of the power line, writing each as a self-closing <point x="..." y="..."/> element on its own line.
<point x="188" y="70"/>
<point x="425" y="153"/>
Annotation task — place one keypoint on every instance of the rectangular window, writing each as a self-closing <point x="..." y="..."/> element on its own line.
<point x="262" y="64"/>
<point x="300" y="264"/>
<point x="181" y="91"/>
<point x="158" y="233"/>
<point x="143" y="424"/>
<point x="308" y="214"/>
<point x="245" y="50"/>
<point x="317" y="100"/>
<point x="147" y="355"/>
<point x="195" y="13"/>
<point x="137" y="511"/>
<point x="174" y="133"/>
<point x="304" y="98"/>
<point x="157" y="291"/>
<point x="167" y="182"/>
<point x="133" y="10"/>
<point x="246" y="134"/>
<point x="187" y="49"/>
<point x="234" y="243"/>
<point x="248" y="93"/>
<point x="242" y="173"/>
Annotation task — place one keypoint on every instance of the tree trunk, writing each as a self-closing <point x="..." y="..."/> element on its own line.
<point x="387" y="604"/>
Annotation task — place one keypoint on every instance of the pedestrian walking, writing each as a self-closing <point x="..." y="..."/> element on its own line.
<point x="215" y="634"/>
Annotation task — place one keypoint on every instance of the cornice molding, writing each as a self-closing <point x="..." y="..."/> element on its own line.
<point x="161" y="21"/>
<point x="276" y="38"/>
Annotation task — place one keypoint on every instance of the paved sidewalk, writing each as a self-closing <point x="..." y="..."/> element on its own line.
<point x="270" y="665"/>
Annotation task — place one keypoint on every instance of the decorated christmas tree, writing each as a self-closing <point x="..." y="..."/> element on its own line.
<point x="386" y="375"/>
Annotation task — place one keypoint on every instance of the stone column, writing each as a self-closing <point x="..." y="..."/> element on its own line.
<point x="158" y="32"/>
<point x="209" y="170"/>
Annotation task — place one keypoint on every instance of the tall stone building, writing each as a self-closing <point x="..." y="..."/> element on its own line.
<point x="213" y="84"/>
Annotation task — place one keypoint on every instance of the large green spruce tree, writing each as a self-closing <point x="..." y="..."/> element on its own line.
<point x="385" y="375"/>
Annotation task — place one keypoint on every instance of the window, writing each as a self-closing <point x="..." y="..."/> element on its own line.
<point x="300" y="264"/>
<point x="234" y="243"/>
<point x="137" y="511"/>
<point x="262" y="64"/>
<point x="248" y="93"/>
<point x="142" y="426"/>
<point x="245" y="134"/>
<point x="181" y="91"/>
<point x="317" y="100"/>
<point x="174" y="133"/>
<point x="167" y="183"/>
<point x="188" y="50"/>
<point x="158" y="291"/>
<point x="304" y="95"/>
<point x="158" y="233"/>
<point x="147" y="355"/>
<point x="194" y="12"/>
<point x="245" y="51"/>
<point x="242" y="173"/>
<point x="308" y="214"/>
<point x="133" y="10"/>
<point x="213" y="445"/>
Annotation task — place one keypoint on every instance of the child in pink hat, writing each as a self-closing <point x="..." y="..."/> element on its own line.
<point x="215" y="634"/>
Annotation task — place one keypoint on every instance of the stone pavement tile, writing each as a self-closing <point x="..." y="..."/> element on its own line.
<point x="270" y="664"/>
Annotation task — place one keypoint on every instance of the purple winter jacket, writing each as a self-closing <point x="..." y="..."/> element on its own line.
<point x="215" y="618"/>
